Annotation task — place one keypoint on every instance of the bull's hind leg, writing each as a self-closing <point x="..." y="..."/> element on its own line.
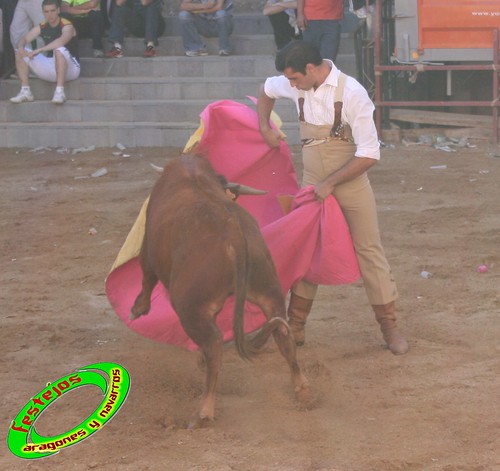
<point x="207" y="336"/>
<point x="284" y="339"/>
<point x="279" y="328"/>
<point x="143" y="301"/>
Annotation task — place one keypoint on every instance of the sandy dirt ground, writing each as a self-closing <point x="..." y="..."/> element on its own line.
<point x="435" y="408"/>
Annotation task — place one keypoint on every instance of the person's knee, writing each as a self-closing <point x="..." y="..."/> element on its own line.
<point x="185" y="16"/>
<point x="222" y="15"/>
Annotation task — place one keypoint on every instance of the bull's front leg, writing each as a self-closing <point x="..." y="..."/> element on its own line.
<point x="143" y="301"/>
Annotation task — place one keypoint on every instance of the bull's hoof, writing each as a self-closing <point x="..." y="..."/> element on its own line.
<point x="200" y="422"/>
<point x="139" y="309"/>
<point x="135" y="315"/>
<point x="306" y="399"/>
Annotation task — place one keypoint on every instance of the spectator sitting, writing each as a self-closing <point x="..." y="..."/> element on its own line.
<point x="60" y="63"/>
<point x="142" y="18"/>
<point x="282" y="16"/>
<point x="87" y="19"/>
<point x="209" y="18"/>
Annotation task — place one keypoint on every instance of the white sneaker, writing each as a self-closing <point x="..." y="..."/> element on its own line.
<point x="199" y="52"/>
<point x="59" y="97"/>
<point x="22" y="97"/>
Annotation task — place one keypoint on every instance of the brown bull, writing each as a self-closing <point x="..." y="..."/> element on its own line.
<point x="204" y="247"/>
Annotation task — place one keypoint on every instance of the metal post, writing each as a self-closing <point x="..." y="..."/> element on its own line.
<point x="496" y="71"/>
<point x="377" y="28"/>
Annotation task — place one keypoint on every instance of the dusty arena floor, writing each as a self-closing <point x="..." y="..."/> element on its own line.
<point x="436" y="408"/>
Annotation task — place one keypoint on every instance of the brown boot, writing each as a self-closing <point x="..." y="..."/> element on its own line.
<point x="298" y="310"/>
<point x="386" y="317"/>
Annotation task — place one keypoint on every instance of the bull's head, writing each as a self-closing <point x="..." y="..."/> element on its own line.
<point x="234" y="189"/>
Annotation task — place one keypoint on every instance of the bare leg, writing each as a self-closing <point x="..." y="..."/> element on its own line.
<point x="22" y="70"/>
<point x="61" y="68"/>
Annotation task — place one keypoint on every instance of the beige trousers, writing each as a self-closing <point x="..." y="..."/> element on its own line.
<point x="358" y="205"/>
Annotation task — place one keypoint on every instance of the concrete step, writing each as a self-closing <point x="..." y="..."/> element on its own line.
<point x="150" y="102"/>
<point x="142" y="88"/>
<point x="99" y="134"/>
<point x="165" y="78"/>
<point x="201" y="67"/>
<point x="180" y="66"/>
<point x="241" y="44"/>
<point x="161" y="111"/>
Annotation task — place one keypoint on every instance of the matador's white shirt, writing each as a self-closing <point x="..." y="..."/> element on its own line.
<point x="357" y="109"/>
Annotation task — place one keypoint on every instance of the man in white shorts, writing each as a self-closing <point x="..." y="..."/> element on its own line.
<point x="56" y="61"/>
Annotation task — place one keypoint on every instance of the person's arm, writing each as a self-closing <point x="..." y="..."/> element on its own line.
<point x="66" y="7"/>
<point x="355" y="167"/>
<point x="359" y="115"/>
<point x="68" y="31"/>
<point x="301" y="19"/>
<point x="265" y="106"/>
<point x="30" y="36"/>
<point x="196" y="7"/>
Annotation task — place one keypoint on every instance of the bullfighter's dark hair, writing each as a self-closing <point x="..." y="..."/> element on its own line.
<point x="296" y="55"/>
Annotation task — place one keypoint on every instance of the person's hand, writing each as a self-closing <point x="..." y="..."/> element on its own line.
<point x="301" y="21"/>
<point x="322" y="190"/>
<point x="272" y="137"/>
<point x="34" y="53"/>
<point x="23" y="52"/>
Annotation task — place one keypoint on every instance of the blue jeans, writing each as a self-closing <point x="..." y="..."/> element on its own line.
<point x="192" y="26"/>
<point x="325" y="35"/>
<point x="138" y="19"/>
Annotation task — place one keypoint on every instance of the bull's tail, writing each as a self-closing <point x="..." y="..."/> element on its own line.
<point x="240" y="287"/>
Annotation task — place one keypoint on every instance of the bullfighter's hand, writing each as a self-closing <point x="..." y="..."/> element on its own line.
<point x="322" y="190"/>
<point x="273" y="138"/>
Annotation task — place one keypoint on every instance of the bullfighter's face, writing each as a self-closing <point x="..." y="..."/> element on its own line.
<point x="299" y="80"/>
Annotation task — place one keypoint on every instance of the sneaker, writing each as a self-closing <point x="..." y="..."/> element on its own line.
<point x="199" y="52"/>
<point x="59" y="97"/>
<point x="115" y="53"/>
<point x="150" y="51"/>
<point x="98" y="53"/>
<point x="223" y="52"/>
<point x="22" y="97"/>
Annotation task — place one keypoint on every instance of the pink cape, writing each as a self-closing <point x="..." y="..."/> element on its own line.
<point x="312" y="241"/>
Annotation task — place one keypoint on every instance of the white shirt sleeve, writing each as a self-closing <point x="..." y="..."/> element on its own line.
<point x="358" y="109"/>
<point x="279" y="87"/>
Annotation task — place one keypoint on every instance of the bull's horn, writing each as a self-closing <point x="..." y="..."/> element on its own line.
<point x="156" y="167"/>
<point x="237" y="188"/>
